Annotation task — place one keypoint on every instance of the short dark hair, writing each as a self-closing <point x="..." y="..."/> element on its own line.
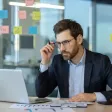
<point x="68" y="24"/>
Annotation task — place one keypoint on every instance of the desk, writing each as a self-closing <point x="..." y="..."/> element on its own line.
<point x="4" y="107"/>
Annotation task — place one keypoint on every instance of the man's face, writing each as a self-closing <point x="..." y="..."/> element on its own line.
<point x="69" y="46"/>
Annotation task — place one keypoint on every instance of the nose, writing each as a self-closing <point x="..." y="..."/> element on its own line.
<point x="62" y="48"/>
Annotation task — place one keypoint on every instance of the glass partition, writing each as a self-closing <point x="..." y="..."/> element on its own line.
<point x="104" y="29"/>
<point x="29" y="28"/>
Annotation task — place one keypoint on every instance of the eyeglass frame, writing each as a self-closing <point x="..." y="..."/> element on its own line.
<point x="65" y="42"/>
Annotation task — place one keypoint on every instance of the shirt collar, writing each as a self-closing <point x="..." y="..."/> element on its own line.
<point x="82" y="61"/>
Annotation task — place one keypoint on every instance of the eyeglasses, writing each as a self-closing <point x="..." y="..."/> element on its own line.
<point x="65" y="43"/>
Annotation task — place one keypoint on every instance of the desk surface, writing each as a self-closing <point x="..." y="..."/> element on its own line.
<point x="4" y="107"/>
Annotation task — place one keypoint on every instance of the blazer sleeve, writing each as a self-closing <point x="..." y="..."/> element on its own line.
<point x="108" y="75"/>
<point x="46" y="81"/>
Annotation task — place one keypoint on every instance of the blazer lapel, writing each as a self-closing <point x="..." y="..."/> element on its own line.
<point x="88" y="70"/>
<point x="65" y="79"/>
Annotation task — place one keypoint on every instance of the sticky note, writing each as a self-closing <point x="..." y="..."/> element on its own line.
<point x="17" y="30"/>
<point x="111" y="37"/>
<point x="90" y="47"/>
<point x="29" y="2"/>
<point x="3" y="14"/>
<point x="36" y="15"/>
<point x="32" y="30"/>
<point x="4" y="29"/>
<point x="22" y="14"/>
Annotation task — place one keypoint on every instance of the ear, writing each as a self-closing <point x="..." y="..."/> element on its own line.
<point x="79" y="39"/>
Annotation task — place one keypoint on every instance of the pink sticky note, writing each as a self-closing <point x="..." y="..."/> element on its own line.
<point x="4" y="29"/>
<point x="29" y="2"/>
<point x="22" y="14"/>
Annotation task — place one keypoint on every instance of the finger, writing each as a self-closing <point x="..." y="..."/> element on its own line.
<point x="49" y="49"/>
<point x="51" y="43"/>
<point x="76" y="98"/>
<point x="45" y="49"/>
<point x="52" y="47"/>
<point x="71" y="99"/>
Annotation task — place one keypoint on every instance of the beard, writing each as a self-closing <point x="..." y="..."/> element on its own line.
<point x="66" y="55"/>
<point x="69" y="55"/>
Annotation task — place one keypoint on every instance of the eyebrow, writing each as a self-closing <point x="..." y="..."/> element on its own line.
<point x="63" y="40"/>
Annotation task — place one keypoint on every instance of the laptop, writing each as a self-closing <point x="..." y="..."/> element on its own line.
<point x="13" y="89"/>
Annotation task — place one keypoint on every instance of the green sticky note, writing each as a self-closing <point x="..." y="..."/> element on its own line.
<point x="36" y="15"/>
<point x="111" y="37"/>
<point x="17" y="30"/>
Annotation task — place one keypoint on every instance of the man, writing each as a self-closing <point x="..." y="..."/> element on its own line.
<point x="80" y="75"/>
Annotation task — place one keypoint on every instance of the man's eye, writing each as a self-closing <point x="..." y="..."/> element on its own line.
<point x="58" y="43"/>
<point x="66" y="41"/>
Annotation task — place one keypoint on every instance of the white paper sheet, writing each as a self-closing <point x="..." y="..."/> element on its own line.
<point x="51" y="105"/>
<point x="52" y="110"/>
<point x="30" y="106"/>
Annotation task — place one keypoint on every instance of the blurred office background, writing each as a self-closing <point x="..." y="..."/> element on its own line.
<point x="23" y="51"/>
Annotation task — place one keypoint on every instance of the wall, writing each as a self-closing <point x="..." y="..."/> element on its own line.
<point x="78" y="10"/>
<point x="104" y="29"/>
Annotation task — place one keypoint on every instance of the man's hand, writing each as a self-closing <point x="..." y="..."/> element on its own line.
<point x="83" y="97"/>
<point x="46" y="53"/>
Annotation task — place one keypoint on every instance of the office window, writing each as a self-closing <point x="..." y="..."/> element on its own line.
<point x="29" y="28"/>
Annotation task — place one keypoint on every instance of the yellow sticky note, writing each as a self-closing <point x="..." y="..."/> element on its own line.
<point x="111" y="37"/>
<point x="90" y="47"/>
<point x="36" y="15"/>
<point x="17" y="30"/>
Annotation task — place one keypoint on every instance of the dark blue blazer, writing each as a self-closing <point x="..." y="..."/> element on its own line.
<point x="98" y="73"/>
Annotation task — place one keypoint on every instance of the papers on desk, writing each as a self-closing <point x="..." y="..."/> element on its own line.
<point x="57" y="106"/>
<point x="67" y="102"/>
<point x="52" y="105"/>
<point x="30" y="106"/>
<point x="52" y="110"/>
<point x="41" y="108"/>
